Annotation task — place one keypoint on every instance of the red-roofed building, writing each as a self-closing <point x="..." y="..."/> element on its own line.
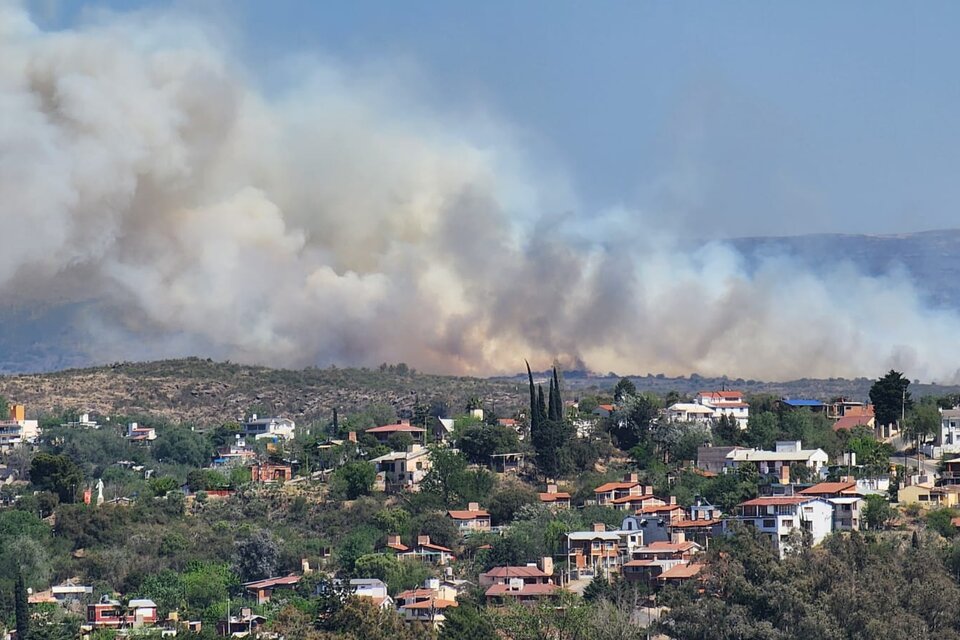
<point x="263" y="590"/>
<point x="604" y="410"/>
<point x="651" y="560"/>
<point x="670" y="512"/>
<point x="393" y="542"/>
<point x="680" y="573"/>
<point x="852" y="422"/>
<point x="471" y="520"/>
<point x="382" y="434"/>
<point x="519" y="584"/>
<point x="555" y="498"/>
<point x="430" y="552"/>
<point x="609" y="492"/>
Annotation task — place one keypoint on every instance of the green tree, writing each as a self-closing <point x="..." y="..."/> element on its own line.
<point x="257" y="556"/>
<point x="877" y="512"/>
<point x="182" y="446"/>
<point x="504" y="504"/>
<point x="624" y="389"/>
<point x="479" y="442"/>
<point x="21" y="609"/>
<point x="467" y="622"/>
<point x="890" y="397"/>
<point x="354" y="479"/>
<point x="923" y="421"/>
<point x="941" y="521"/>
<point x="56" y="473"/>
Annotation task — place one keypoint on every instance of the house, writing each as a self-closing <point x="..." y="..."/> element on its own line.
<point x="16" y="429"/>
<point x="138" y="434"/>
<point x="235" y="454"/>
<point x="382" y="434"/>
<point x="471" y="520"/>
<point x="689" y="412"/>
<point x="83" y="421"/>
<point x="269" y="472"/>
<point x="241" y="626"/>
<point x="951" y="472"/>
<point x="609" y="493"/>
<point x="846" y="499"/>
<point x="947" y="437"/>
<point x="809" y="404"/>
<point x="507" y="462"/>
<point x="404" y="470"/>
<point x="842" y="489"/>
<point x="852" y="422"/>
<point x="263" y="590"/>
<point x="526" y="584"/>
<point x="429" y="552"/>
<point x="63" y="593"/>
<point x="374" y="589"/>
<point x="849" y="408"/>
<point x="592" y="553"/>
<point x="780" y="516"/>
<point x="928" y="496"/>
<point x="712" y="459"/>
<point x="110" y="614"/>
<point x="429" y="611"/>
<point x="650" y="561"/>
<point x="703" y="510"/>
<point x="725" y="403"/>
<point x="394" y="543"/>
<point x="671" y="512"/>
<point x="440" y="428"/>
<point x="680" y="573"/>
<point x="556" y="499"/>
<point x="269" y="428"/>
<point x="604" y="410"/>
<point x="787" y="453"/>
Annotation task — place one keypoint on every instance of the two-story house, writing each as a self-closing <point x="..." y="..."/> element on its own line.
<point x="781" y="517"/>
<point x="725" y="403"/>
<point x="473" y="519"/>
<point x="427" y="604"/>
<point x="16" y="429"/>
<point x="846" y="499"/>
<point x="382" y="434"/>
<point x="592" y="553"/>
<point x="262" y="590"/>
<point x="650" y="561"/>
<point x="946" y="440"/>
<point x="555" y="498"/>
<point x="110" y="614"/>
<point x="404" y="470"/>
<point x="778" y="462"/>
<point x="269" y="428"/>
<point x="429" y="552"/>
<point x="609" y="493"/>
<point x="525" y="585"/>
<point x="689" y="412"/>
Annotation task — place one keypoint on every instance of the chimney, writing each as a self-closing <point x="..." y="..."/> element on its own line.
<point x="785" y="474"/>
<point x="352" y="436"/>
<point x="551" y="488"/>
<point x="631" y="477"/>
<point x="599" y="527"/>
<point x="673" y="499"/>
<point x="393" y="539"/>
<point x="546" y="565"/>
<point x="678" y="537"/>
<point x="423" y="539"/>
<point x="648" y="490"/>
<point x="473" y="506"/>
<point x="18" y="412"/>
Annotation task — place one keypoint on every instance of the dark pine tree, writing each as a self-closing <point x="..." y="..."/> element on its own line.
<point x="21" y="610"/>
<point x="541" y="406"/>
<point x="558" y="409"/>
<point x="552" y="404"/>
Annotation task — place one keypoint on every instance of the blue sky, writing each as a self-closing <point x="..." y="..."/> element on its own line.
<point x="739" y="118"/>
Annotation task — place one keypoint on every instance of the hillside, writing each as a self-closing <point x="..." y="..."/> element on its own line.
<point x="206" y="392"/>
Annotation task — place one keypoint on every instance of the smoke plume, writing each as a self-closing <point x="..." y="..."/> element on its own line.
<point x="339" y="219"/>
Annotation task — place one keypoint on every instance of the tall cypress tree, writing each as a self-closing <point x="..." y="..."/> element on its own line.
<point x="541" y="406"/>
<point x="558" y="400"/>
<point x="534" y="416"/>
<point x="21" y="610"/>
<point x="552" y="404"/>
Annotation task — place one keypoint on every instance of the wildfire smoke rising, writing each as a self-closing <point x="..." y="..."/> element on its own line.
<point x="342" y="220"/>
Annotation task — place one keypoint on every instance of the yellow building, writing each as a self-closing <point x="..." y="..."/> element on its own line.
<point x="929" y="496"/>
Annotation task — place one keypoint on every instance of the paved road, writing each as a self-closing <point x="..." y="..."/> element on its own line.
<point x="928" y="466"/>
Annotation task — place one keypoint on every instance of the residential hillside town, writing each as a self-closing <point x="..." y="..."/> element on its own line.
<point x="667" y="516"/>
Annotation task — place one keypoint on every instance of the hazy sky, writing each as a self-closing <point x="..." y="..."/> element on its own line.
<point x="732" y="118"/>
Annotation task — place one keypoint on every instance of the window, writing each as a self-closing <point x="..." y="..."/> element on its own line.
<point x="769" y="524"/>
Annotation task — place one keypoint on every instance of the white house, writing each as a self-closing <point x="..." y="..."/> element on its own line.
<point x="689" y="412"/>
<point x="779" y="517"/>
<point x="269" y="428"/>
<point x="136" y="433"/>
<point x="16" y="429"/>
<point x="725" y="403"/>
<point x="947" y="438"/>
<point x="404" y="469"/>
<point x="778" y="462"/>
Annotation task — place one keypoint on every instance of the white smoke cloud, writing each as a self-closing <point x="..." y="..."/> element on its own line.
<point x="341" y="220"/>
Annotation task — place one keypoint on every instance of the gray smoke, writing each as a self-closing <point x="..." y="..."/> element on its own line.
<point x="342" y="220"/>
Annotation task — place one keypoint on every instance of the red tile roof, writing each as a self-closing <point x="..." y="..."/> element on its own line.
<point x="613" y="486"/>
<point x="432" y="547"/>
<point x="415" y="593"/>
<point x="640" y="563"/>
<point x="436" y="603"/>
<point x="553" y="497"/>
<point x="691" y="524"/>
<point x="468" y="515"/>
<point x="397" y="546"/>
<point x="663" y="546"/>
<point x="396" y="428"/>
<point x="681" y="571"/>
<point x="528" y="590"/>
<point x="849" y="422"/>
<point x="272" y="582"/>
<point x="829" y="488"/>
<point x="606" y="407"/>
<point x="776" y="500"/>
<point x="515" y="572"/>
<point x="658" y="508"/>
<point x="628" y="499"/>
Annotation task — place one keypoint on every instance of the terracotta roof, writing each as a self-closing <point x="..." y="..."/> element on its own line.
<point x="658" y="508"/>
<point x="827" y="488"/>
<point x="415" y="593"/>
<point x="431" y="546"/>
<point x="515" y="572"/>
<point x="859" y="411"/>
<point x="612" y="486"/>
<point x="273" y="582"/>
<point x="606" y="407"/>
<point x="553" y="497"/>
<point x="640" y="563"/>
<point x="849" y="422"/>
<point x="776" y="500"/>
<point x="397" y="546"/>
<point x="703" y="472"/>
<point x="664" y="546"/>
<point x="955" y="522"/>
<point x="391" y="428"/>
<point x="681" y="571"/>
<point x="528" y="590"/>
<point x="723" y="395"/>
<point x="507" y="422"/>
<point x="468" y="515"/>
<point x="628" y="499"/>
<point x="690" y="524"/>
<point x="435" y="603"/>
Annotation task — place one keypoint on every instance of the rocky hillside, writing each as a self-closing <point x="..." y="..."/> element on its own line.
<point x="204" y="392"/>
